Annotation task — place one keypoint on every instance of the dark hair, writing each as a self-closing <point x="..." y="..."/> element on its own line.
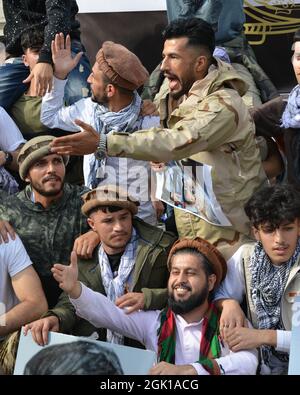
<point x="79" y="357"/>
<point x="296" y="36"/>
<point x="207" y="266"/>
<point x="32" y="39"/>
<point x="274" y="205"/>
<point x="105" y="209"/>
<point x="198" y="32"/>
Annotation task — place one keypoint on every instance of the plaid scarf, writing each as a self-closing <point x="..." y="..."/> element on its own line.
<point x="115" y="285"/>
<point x="267" y="287"/>
<point x="7" y="182"/>
<point x="209" y="346"/>
<point x="291" y="115"/>
<point x="107" y="121"/>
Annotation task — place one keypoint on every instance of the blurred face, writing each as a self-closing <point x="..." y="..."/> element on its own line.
<point x="98" y="86"/>
<point x="30" y="58"/>
<point x="188" y="285"/>
<point x="182" y="65"/>
<point x="296" y="60"/>
<point x="279" y="244"/>
<point x="114" y="229"/>
<point x="47" y="175"/>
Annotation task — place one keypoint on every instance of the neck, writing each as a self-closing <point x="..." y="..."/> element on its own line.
<point x="196" y="314"/>
<point x="118" y="102"/>
<point x="46" y="201"/>
<point x="112" y="250"/>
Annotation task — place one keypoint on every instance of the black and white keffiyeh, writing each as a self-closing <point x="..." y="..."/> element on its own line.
<point x="291" y="115"/>
<point x="267" y="287"/>
<point x="115" y="286"/>
<point x="107" y="121"/>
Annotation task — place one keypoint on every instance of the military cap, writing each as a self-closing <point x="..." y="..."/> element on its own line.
<point x="108" y="195"/>
<point x="33" y="150"/>
<point x="121" y="66"/>
<point x="212" y="254"/>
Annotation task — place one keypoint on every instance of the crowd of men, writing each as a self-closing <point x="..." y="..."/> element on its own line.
<point x="83" y="250"/>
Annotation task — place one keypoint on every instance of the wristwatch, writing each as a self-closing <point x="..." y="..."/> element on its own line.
<point x="101" y="149"/>
<point x="8" y="158"/>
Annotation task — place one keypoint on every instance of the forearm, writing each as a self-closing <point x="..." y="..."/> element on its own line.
<point x="53" y="113"/>
<point x="186" y="138"/>
<point x="58" y="16"/>
<point x="155" y="299"/>
<point x="20" y="315"/>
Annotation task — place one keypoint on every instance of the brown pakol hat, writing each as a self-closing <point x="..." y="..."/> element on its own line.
<point x="108" y="195"/>
<point x="208" y="250"/>
<point x="121" y="66"/>
<point x="32" y="151"/>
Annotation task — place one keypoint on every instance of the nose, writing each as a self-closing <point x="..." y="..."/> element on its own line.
<point x="181" y="277"/>
<point x="51" y="167"/>
<point x="164" y="64"/>
<point x="118" y="226"/>
<point x="278" y="236"/>
<point x="89" y="79"/>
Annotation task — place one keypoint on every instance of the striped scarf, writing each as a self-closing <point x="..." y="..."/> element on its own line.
<point x="209" y="346"/>
<point x="107" y="121"/>
<point x="267" y="287"/>
<point x="291" y="115"/>
<point x="115" y="284"/>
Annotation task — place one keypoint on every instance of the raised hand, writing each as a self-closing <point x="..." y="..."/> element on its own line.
<point x="67" y="276"/>
<point x="62" y="56"/>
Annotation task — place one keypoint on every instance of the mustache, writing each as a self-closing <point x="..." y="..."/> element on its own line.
<point x="52" y="177"/>
<point x="169" y="75"/>
<point x="182" y="285"/>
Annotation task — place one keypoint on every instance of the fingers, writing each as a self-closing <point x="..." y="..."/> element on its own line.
<point x="4" y="232"/>
<point x="77" y="58"/>
<point x="28" y="79"/>
<point x="73" y="259"/>
<point x="86" y="126"/>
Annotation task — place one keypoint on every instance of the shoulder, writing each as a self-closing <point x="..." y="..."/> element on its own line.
<point x="153" y="235"/>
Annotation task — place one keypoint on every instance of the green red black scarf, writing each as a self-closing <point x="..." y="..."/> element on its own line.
<point x="209" y="346"/>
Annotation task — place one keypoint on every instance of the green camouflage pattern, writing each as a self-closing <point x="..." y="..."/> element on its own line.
<point x="47" y="234"/>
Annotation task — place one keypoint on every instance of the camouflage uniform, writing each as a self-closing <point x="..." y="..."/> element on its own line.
<point x="47" y="234"/>
<point x="211" y="126"/>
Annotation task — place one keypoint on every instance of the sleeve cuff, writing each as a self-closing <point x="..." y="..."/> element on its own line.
<point x="199" y="369"/>
<point x="283" y="341"/>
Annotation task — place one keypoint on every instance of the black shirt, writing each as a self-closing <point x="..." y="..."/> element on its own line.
<point x="54" y="16"/>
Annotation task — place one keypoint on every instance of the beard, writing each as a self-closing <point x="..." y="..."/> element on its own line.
<point x="185" y="306"/>
<point x="102" y="100"/>
<point x="52" y="192"/>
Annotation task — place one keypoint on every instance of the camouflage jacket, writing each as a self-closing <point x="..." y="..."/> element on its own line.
<point x="211" y="126"/>
<point x="47" y="234"/>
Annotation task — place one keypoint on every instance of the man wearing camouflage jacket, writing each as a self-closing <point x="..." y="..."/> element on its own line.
<point x="47" y="213"/>
<point x="204" y="119"/>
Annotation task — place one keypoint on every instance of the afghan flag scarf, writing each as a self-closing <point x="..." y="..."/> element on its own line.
<point x="209" y="346"/>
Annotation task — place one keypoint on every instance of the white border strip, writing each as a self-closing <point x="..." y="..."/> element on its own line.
<point x="89" y="6"/>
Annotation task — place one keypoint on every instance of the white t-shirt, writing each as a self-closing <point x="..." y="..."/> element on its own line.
<point x="10" y="135"/>
<point x="13" y="259"/>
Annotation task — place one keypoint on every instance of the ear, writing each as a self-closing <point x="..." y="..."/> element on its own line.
<point x="110" y="90"/>
<point x="211" y="281"/>
<point x="91" y="223"/>
<point x="24" y="58"/>
<point x="256" y="233"/>
<point x="201" y="63"/>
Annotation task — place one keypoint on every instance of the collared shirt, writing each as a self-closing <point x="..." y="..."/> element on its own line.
<point x="143" y="325"/>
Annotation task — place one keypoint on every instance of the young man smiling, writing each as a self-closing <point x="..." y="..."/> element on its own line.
<point x="185" y="334"/>
<point x="267" y="272"/>
<point x="129" y="265"/>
